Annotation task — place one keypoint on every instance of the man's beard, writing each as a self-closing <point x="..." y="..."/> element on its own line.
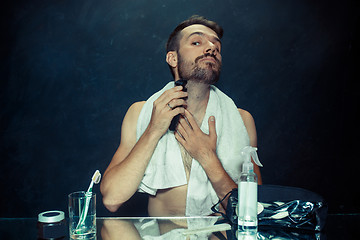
<point x="208" y="74"/>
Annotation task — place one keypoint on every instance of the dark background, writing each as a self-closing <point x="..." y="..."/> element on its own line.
<point x="70" y="70"/>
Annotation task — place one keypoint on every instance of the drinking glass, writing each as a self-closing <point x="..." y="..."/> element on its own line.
<point x="82" y="215"/>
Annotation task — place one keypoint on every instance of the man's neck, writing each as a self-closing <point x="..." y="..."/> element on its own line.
<point x="198" y="97"/>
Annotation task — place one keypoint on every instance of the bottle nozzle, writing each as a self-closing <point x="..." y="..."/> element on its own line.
<point x="251" y="151"/>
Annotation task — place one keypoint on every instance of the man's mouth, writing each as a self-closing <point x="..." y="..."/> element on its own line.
<point x="208" y="58"/>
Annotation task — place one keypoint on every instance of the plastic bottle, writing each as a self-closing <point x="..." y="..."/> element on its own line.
<point x="247" y="190"/>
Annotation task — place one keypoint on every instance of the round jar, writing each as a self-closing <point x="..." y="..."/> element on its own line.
<point x="51" y="225"/>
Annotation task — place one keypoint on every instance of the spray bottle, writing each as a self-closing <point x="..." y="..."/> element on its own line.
<point x="247" y="212"/>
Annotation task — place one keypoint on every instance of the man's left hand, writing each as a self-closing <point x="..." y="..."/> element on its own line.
<point x="199" y="145"/>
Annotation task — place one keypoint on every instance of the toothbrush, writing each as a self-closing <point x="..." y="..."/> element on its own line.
<point x="95" y="179"/>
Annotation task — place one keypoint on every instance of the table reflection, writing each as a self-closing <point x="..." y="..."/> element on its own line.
<point x="187" y="228"/>
<point x="338" y="226"/>
<point x="161" y="228"/>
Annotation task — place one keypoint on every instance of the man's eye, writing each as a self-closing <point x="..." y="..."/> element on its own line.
<point x="196" y="43"/>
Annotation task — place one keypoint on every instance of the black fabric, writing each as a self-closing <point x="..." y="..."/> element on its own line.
<point x="284" y="207"/>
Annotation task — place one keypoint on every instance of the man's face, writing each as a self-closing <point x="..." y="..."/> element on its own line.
<point x="199" y="57"/>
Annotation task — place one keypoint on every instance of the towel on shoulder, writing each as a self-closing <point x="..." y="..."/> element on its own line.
<point x="166" y="168"/>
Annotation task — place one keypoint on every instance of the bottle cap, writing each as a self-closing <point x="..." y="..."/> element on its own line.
<point x="51" y="216"/>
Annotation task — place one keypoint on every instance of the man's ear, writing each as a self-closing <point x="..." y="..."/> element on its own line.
<point x="172" y="59"/>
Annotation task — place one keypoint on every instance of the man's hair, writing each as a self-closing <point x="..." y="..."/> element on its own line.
<point x="173" y="43"/>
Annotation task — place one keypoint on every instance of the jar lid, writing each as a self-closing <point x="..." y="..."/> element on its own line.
<point x="51" y="216"/>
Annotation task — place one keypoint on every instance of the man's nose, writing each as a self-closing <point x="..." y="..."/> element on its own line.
<point x="210" y="48"/>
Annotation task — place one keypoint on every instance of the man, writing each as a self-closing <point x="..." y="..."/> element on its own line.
<point x="146" y="159"/>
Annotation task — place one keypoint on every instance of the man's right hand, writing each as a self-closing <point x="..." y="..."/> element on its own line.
<point x="167" y="106"/>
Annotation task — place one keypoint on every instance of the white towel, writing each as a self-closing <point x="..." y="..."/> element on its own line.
<point x="166" y="168"/>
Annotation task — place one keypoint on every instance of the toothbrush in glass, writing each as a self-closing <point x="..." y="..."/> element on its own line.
<point x="95" y="179"/>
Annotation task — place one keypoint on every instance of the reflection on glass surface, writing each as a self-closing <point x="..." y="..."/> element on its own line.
<point x="247" y="236"/>
<point x="188" y="228"/>
<point x="160" y="228"/>
<point x="338" y="226"/>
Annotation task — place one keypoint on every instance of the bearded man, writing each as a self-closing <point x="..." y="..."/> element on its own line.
<point x="188" y="170"/>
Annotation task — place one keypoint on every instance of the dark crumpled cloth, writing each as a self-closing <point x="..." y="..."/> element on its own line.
<point x="286" y="210"/>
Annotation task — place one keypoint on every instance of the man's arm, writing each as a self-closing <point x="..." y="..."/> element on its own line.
<point x="115" y="229"/>
<point x="202" y="147"/>
<point x="126" y="170"/>
<point x="251" y="130"/>
<point x="124" y="173"/>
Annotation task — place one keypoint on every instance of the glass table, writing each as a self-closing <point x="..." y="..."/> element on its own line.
<point x="338" y="226"/>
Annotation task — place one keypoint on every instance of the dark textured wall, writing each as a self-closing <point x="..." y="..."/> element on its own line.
<point x="70" y="70"/>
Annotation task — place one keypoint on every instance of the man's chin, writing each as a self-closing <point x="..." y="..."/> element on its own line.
<point x="208" y="80"/>
<point x="206" y="75"/>
<point x="211" y="77"/>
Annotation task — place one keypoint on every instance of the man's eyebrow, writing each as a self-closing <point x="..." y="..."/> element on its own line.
<point x="202" y="34"/>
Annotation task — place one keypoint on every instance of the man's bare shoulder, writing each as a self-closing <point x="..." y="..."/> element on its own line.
<point x="245" y="115"/>
<point x="134" y="111"/>
<point x="250" y="125"/>
<point x="128" y="131"/>
<point x="136" y="107"/>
